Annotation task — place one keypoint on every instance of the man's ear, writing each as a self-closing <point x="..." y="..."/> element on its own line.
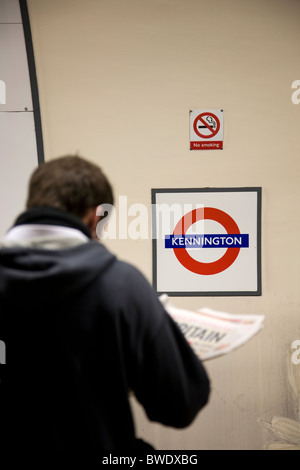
<point x="91" y="220"/>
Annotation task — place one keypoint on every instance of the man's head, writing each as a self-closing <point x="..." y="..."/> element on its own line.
<point x="72" y="184"/>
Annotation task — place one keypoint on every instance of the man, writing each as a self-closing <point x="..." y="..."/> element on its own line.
<point x="83" y="329"/>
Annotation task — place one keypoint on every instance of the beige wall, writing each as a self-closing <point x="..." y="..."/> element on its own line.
<point x="116" y="82"/>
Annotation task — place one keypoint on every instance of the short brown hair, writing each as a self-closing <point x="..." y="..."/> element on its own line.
<point x="69" y="183"/>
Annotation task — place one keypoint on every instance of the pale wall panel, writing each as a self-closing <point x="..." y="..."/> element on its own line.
<point x="117" y="80"/>
<point x="18" y="150"/>
<point x="17" y="160"/>
<point x="14" y="68"/>
<point x="10" y="11"/>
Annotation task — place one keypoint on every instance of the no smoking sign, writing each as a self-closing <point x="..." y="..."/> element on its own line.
<point x="206" y="129"/>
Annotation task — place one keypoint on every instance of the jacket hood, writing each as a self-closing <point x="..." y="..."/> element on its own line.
<point x="30" y="271"/>
<point x="51" y="273"/>
<point x="44" y="274"/>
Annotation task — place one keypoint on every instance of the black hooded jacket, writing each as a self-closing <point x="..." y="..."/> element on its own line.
<point x="83" y="330"/>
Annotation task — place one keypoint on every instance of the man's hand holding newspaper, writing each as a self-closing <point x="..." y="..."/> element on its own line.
<point x="212" y="333"/>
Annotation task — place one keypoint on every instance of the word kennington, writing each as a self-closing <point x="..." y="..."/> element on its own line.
<point x="207" y="241"/>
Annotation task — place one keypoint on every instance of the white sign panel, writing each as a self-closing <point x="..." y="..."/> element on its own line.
<point x="18" y="158"/>
<point x="20" y="131"/>
<point x="14" y="69"/>
<point x="207" y="241"/>
<point x="206" y="129"/>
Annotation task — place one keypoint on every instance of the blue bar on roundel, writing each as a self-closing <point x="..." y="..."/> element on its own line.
<point x="219" y="240"/>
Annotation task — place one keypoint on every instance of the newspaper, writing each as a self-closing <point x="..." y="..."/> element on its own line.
<point x="212" y="333"/>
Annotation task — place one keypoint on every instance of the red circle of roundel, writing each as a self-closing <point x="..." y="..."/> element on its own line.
<point x="200" y="118"/>
<point x="196" y="266"/>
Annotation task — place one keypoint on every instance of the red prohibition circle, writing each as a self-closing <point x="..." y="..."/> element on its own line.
<point x="200" y="118"/>
<point x="196" y="266"/>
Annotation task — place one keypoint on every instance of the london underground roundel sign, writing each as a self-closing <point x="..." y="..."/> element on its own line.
<point x="222" y="263"/>
<point x="207" y="241"/>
